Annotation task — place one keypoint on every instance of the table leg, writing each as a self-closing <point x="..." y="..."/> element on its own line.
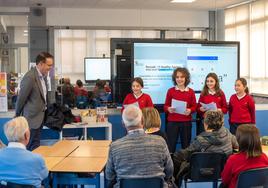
<point x="61" y="135"/>
<point x="108" y="133"/>
<point x="98" y="180"/>
<point x="85" y="133"/>
<point x="102" y="183"/>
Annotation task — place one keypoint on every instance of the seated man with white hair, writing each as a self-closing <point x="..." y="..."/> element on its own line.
<point x="17" y="164"/>
<point x="138" y="155"/>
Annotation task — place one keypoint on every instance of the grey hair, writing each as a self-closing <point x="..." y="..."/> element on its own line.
<point x="132" y="116"/>
<point x="16" y="128"/>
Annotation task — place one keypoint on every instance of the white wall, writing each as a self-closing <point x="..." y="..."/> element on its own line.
<point x="19" y="36"/>
<point x="126" y="18"/>
<point x="24" y="59"/>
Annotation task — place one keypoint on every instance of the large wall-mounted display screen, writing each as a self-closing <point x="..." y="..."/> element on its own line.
<point x="97" y="68"/>
<point x="154" y="62"/>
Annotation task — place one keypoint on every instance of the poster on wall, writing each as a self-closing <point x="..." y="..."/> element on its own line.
<point x="3" y="92"/>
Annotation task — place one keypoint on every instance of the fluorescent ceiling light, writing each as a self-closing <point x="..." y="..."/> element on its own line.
<point x="182" y="1"/>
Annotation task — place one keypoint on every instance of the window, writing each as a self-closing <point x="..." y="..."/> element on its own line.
<point x="249" y="25"/>
<point x="72" y="46"/>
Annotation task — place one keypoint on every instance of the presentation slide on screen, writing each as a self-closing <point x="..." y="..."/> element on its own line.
<point x="97" y="68"/>
<point x="155" y="62"/>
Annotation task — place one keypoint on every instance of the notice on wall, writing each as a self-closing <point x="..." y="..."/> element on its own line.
<point x="3" y="92"/>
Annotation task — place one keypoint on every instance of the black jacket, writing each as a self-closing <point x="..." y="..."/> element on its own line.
<point x="57" y="116"/>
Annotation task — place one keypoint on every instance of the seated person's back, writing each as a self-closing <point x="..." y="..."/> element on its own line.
<point x="16" y="163"/>
<point x="79" y="90"/>
<point x="100" y="93"/>
<point x="138" y="155"/>
<point x="215" y="138"/>
<point x="68" y="93"/>
<point x="250" y="155"/>
<point x="152" y="122"/>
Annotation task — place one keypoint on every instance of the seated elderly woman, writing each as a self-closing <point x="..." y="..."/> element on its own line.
<point x="215" y="138"/>
<point x="152" y="122"/>
<point x="17" y="164"/>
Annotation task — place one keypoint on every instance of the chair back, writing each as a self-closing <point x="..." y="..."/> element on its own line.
<point x="141" y="183"/>
<point x="206" y="166"/>
<point x="253" y="178"/>
<point x="81" y="102"/>
<point x="14" y="185"/>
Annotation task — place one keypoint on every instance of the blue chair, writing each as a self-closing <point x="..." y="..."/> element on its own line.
<point x="81" y="102"/>
<point x="4" y="184"/>
<point x="141" y="183"/>
<point x="205" y="167"/>
<point x="253" y="178"/>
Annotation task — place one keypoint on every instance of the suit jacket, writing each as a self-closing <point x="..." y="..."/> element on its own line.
<point x="31" y="101"/>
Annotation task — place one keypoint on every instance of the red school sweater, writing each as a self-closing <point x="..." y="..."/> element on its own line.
<point x="220" y="101"/>
<point x="187" y="96"/>
<point x="144" y="100"/>
<point x="238" y="163"/>
<point x="242" y="110"/>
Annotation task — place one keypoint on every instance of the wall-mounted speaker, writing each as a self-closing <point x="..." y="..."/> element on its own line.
<point x="37" y="11"/>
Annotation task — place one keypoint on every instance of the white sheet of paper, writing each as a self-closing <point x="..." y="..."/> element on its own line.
<point x="180" y="106"/>
<point x="209" y="106"/>
<point x="135" y="103"/>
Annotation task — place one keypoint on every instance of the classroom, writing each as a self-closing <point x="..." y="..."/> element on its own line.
<point x="133" y="93"/>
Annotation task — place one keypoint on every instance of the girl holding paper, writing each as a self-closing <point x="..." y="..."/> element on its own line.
<point x="179" y="105"/>
<point x="211" y="98"/>
<point x="241" y="106"/>
<point x="137" y="97"/>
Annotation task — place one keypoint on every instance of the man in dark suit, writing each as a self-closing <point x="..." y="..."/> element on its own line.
<point x="32" y="99"/>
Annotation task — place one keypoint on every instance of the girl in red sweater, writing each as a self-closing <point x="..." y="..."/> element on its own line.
<point x="241" y="106"/>
<point x="179" y="122"/>
<point x="211" y="93"/>
<point x="137" y="97"/>
<point x="250" y="155"/>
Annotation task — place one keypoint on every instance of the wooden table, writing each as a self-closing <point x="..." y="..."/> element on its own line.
<point x="52" y="161"/>
<point x="265" y="149"/>
<point x="95" y="143"/>
<point x="81" y="164"/>
<point x="75" y="156"/>
<point x="90" y="151"/>
<point x="58" y="151"/>
<point x="43" y="150"/>
<point x="88" y="165"/>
